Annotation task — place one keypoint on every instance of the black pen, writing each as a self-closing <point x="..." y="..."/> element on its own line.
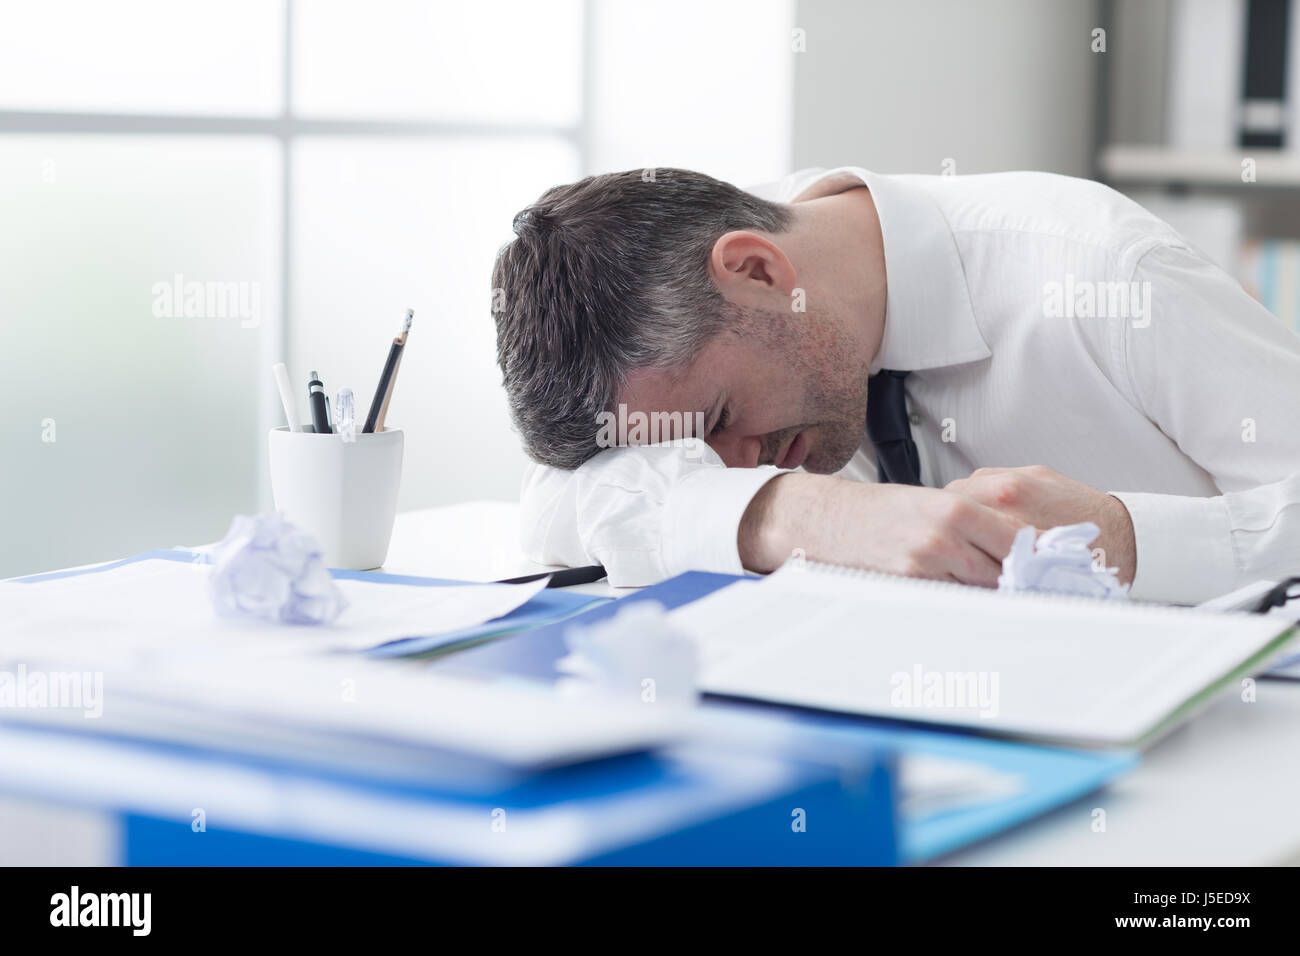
<point x="320" y="415"/>
<point x="564" y="578"/>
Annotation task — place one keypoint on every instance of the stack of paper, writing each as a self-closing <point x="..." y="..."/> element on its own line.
<point x="159" y="605"/>
<point x="137" y="650"/>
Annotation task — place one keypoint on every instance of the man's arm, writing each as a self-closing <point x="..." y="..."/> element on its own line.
<point x="1221" y="377"/>
<point x="898" y="529"/>
<point x="648" y="513"/>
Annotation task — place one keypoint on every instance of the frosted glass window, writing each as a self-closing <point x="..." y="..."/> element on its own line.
<point x="705" y="86"/>
<point x="129" y="424"/>
<point x="385" y="225"/>
<point x="489" y="61"/>
<point x="143" y="56"/>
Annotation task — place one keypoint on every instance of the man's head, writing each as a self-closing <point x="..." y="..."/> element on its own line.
<point x="670" y="291"/>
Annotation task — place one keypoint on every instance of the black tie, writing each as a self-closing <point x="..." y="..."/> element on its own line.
<point x="897" y="460"/>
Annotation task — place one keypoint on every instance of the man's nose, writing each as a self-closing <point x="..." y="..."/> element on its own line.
<point x="738" y="451"/>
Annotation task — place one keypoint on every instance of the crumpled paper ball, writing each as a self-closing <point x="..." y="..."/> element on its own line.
<point x="1059" y="562"/>
<point x="637" y="655"/>
<point x="265" y="567"/>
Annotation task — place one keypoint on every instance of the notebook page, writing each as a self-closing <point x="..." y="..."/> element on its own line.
<point x="1064" y="669"/>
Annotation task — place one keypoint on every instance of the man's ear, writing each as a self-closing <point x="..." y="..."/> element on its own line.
<point x="749" y="268"/>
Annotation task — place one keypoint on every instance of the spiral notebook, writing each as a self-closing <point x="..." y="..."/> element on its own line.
<point x="1065" y="670"/>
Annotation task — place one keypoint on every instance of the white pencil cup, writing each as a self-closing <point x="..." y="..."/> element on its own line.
<point x="344" y="494"/>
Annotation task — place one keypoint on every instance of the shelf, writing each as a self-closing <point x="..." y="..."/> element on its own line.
<point x="1166" y="166"/>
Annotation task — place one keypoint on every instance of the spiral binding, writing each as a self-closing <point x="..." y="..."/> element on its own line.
<point x="1030" y="597"/>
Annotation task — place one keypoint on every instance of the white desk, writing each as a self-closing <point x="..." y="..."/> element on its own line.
<point x="1223" y="790"/>
<point x="475" y="541"/>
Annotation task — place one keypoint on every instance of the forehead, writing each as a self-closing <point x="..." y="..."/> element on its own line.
<point x="690" y="389"/>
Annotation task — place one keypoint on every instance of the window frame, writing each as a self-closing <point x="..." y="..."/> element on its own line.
<point x="286" y="129"/>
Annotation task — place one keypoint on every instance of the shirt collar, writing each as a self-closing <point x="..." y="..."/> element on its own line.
<point x="929" y="321"/>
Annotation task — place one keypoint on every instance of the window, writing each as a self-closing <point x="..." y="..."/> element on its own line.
<point x="329" y="164"/>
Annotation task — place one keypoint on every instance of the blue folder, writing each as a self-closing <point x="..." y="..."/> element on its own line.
<point x="691" y="804"/>
<point x="588" y="814"/>
<point x="1051" y="776"/>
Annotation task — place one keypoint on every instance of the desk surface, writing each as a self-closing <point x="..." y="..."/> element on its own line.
<point x="475" y="541"/>
<point x="1222" y="790"/>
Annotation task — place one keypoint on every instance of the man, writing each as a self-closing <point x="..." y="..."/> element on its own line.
<point x="1033" y="348"/>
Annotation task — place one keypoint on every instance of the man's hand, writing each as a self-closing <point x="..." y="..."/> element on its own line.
<point x="1043" y="498"/>
<point x="899" y="529"/>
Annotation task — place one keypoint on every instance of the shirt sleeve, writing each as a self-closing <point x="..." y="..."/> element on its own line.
<point x="646" y="513"/>
<point x="1220" y="376"/>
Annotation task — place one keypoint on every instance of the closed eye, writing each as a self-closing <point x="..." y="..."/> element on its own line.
<point x="722" y="422"/>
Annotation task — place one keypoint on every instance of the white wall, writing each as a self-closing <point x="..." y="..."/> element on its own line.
<point x="900" y="87"/>
<point x="705" y="86"/>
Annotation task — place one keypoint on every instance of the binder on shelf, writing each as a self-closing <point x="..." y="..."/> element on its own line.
<point x="1205" y="78"/>
<point x="1263" y="113"/>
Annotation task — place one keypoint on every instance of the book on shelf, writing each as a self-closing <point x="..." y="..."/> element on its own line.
<point x="1270" y="271"/>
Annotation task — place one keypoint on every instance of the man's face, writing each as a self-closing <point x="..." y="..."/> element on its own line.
<point x="785" y="390"/>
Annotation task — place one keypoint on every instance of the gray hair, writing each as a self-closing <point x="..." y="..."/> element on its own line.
<point x="607" y="275"/>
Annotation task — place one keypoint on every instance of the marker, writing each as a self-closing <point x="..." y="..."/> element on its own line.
<point x="320" y="414"/>
<point x="388" y="378"/>
<point x="286" y="396"/>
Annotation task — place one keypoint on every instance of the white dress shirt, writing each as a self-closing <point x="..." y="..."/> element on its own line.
<point x="1189" y="412"/>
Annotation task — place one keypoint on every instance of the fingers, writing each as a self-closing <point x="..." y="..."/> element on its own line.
<point x="1038" y="471"/>
<point x="1008" y="490"/>
<point x="972" y="565"/>
<point x="992" y="532"/>
<point x="966" y="543"/>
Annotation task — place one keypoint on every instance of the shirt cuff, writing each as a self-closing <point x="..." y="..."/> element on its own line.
<point x="1184" y="547"/>
<point x="702" y="518"/>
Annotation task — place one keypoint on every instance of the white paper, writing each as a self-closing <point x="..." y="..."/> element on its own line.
<point x="637" y="655"/>
<point x="158" y="605"/>
<point x="315" y="708"/>
<point x="171" y="669"/>
<point x="1061" y="669"/>
<point x="1241" y="600"/>
<point x="1059" y="561"/>
<point x="931" y="785"/>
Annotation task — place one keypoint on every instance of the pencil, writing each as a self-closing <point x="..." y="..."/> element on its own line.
<point x="388" y="378"/>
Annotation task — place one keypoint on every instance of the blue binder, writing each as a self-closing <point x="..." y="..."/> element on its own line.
<point x="758" y="811"/>
<point x="695" y="803"/>
<point x="1051" y="776"/>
